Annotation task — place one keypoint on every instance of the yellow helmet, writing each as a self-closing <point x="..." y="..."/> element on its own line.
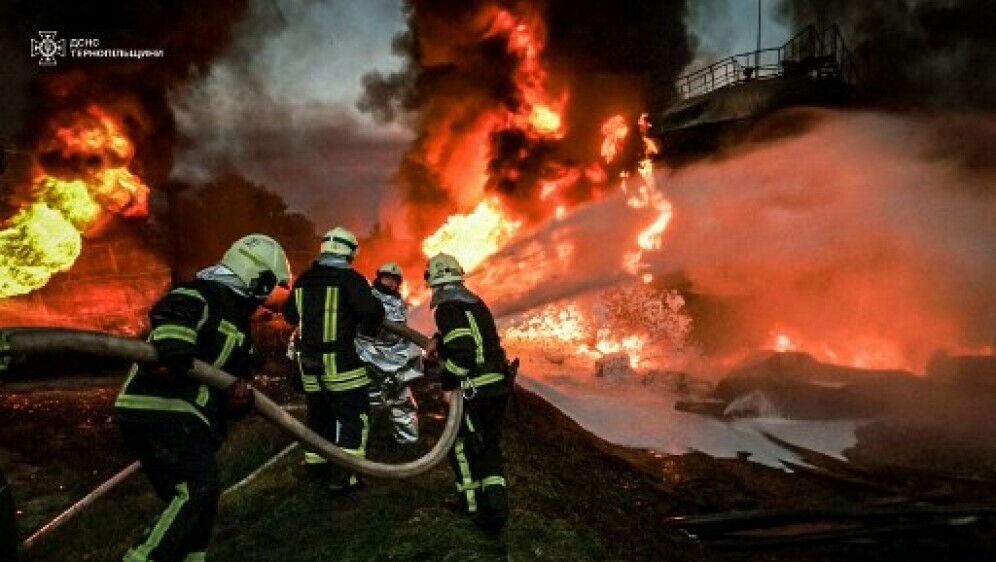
<point x="443" y="268"/>
<point x="390" y="268"/>
<point x="259" y="262"/>
<point x="341" y="242"/>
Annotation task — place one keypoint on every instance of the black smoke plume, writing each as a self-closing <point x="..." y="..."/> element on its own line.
<point x="460" y="78"/>
<point x="189" y="33"/>
<point x="915" y="53"/>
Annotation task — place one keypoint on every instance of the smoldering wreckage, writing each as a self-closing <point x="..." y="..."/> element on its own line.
<point x="760" y="291"/>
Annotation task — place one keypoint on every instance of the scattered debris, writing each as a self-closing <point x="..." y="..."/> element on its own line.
<point x="770" y="528"/>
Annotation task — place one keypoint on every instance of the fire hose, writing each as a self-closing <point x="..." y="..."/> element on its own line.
<point x="33" y="341"/>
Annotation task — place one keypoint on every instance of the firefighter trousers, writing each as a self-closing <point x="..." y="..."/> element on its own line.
<point x="402" y="409"/>
<point x="178" y="456"/>
<point x="477" y="460"/>
<point x="342" y="418"/>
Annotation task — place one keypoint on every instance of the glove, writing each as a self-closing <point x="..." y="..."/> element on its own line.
<point x="240" y="399"/>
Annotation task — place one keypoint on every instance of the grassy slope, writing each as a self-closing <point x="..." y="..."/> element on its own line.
<point x="574" y="497"/>
<point x="569" y="503"/>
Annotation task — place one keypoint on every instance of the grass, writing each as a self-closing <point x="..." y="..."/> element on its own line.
<point x="566" y="504"/>
<point x="573" y="498"/>
<point x="109" y="526"/>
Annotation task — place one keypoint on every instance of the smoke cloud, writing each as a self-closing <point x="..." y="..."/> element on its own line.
<point x="134" y="89"/>
<point x="276" y="108"/>
<point x="721" y="28"/>
<point x="917" y="52"/>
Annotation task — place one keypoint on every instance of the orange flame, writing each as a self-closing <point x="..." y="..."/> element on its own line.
<point x="540" y="112"/>
<point x="568" y="328"/>
<point x="546" y="121"/>
<point x="45" y="236"/>
<point x="650" y="327"/>
<point x="474" y="236"/>
<point x="471" y="238"/>
<point x="615" y="132"/>
<point x="861" y="352"/>
<point x="643" y="195"/>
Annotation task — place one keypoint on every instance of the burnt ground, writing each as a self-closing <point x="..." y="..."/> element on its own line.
<point x="575" y="497"/>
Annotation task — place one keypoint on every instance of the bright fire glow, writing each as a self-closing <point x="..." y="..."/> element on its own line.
<point x="650" y="237"/>
<point x="566" y="328"/>
<point x="643" y="195"/>
<point x="35" y="244"/>
<point x="545" y="120"/>
<point x="471" y="238"/>
<point x="862" y="352"/>
<point x="45" y="236"/>
<point x="540" y="112"/>
<point x="649" y="326"/>
<point x="614" y="131"/>
<point x="783" y="343"/>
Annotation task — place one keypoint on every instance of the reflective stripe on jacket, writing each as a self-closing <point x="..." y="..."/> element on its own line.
<point x="199" y="320"/>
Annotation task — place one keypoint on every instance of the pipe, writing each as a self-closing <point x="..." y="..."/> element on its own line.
<point x="28" y="341"/>
<point x="82" y="503"/>
<point x="270" y="462"/>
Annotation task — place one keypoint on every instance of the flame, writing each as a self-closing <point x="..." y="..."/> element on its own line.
<point x="96" y="133"/>
<point x="649" y="326"/>
<point x="35" y="244"/>
<point x="474" y="236"/>
<point x="615" y="132"/>
<point x="546" y="121"/>
<point x="783" y="342"/>
<point x="567" y="328"/>
<point x="121" y="192"/>
<point x="471" y="238"/>
<point x="45" y="236"/>
<point x="859" y="351"/>
<point x="644" y="194"/>
<point x="650" y="237"/>
<point x="540" y="112"/>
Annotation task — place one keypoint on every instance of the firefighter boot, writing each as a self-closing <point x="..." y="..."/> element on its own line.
<point x="493" y="509"/>
<point x="344" y="482"/>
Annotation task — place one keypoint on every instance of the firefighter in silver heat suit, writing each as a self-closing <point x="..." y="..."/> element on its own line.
<point x="392" y="361"/>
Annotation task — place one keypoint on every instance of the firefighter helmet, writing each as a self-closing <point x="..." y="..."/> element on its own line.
<point x="443" y="268"/>
<point x="341" y="242"/>
<point x="259" y="262"/>
<point x="390" y="268"/>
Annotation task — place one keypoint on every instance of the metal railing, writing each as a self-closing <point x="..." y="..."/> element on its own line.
<point x="818" y="54"/>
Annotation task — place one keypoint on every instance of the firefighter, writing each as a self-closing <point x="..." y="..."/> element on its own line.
<point x="175" y="424"/>
<point x="392" y="361"/>
<point x="473" y="361"/>
<point x="330" y="304"/>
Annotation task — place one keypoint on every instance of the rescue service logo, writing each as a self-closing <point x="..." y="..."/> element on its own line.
<point x="48" y="48"/>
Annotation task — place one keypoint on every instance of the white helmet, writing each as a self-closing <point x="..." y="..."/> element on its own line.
<point x="341" y="242"/>
<point x="390" y="268"/>
<point x="441" y="269"/>
<point x="260" y="262"/>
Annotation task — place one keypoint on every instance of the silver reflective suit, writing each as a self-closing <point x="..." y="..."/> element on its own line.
<point x="393" y="364"/>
